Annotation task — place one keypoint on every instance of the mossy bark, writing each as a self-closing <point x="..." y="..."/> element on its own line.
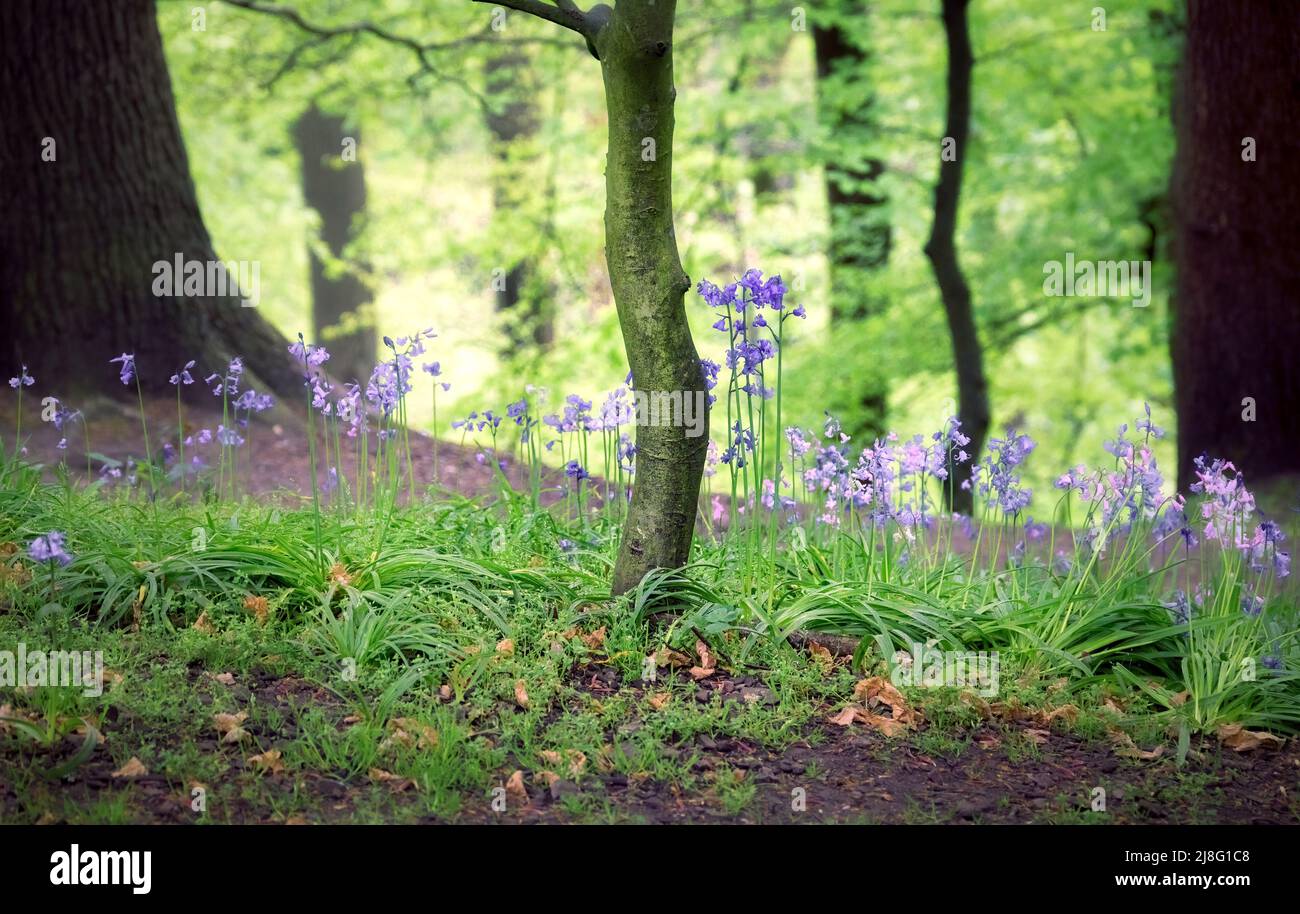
<point x="635" y="50"/>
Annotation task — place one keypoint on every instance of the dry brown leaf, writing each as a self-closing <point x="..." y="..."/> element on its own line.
<point x="546" y="777"/>
<point x="845" y="717"/>
<point x="1067" y="713"/>
<point x="1036" y="736"/>
<point x="268" y="762"/>
<point x="596" y="639"/>
<point x="516" y="793"/>
<point x="444" y="692"/>
<point x="296" y="820"/>
<point x="1239" y="739"/>
<point x="576" y="761"/>
<point x="229" y="726"/>
<point x="134" y="768"/>
<point x="1180" y="699"/>
<point x="878" y="691"/>
<point x="707" y="660"/>
<point x="1126" y="748"/>
<point x="668" y="657"/>
<point x="339" y="574"/>
<point x="18" y="574"/>
<point x="699" y="672"/>
<point x="821" y="655"/>
<point x="427" y="736"/>
<point x="226" y="679"/>
<point x="203" y="624"/>
<point x="8" y="548"/>
<point x="659" y="699"/>
<point x="521" y="694"/>
<point x="506" y="646"/>
<point x="395" y="783"/>
<point x="258" y="606"/>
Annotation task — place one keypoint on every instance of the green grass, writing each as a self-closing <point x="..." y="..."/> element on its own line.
<point x="409" y="631"/>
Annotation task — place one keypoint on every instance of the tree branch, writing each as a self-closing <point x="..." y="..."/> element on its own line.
<point x="564" y="12"/>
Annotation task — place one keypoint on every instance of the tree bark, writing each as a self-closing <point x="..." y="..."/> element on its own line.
<point x="516" y="122"/>
<point x="80" y="235"/>
<point x="1237" y="238"/>
<point x="635" y="50"/>
<point x="336" y="189"/>
<point x="941" y="249"/>
<point x="860" y="236"/>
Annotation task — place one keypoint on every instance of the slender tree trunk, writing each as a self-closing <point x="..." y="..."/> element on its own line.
<point x="95" y="191"/>
<point x="1237" y="238"/>
<point x="335" y="187"/>
<point x="968" y="357"/>
<point x="514" y="124"/>
<point x="635" y="50"/>
<point x="860" y="236"/>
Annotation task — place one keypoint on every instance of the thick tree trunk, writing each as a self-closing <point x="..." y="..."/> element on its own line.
<point x="1237" y="238"/>
<point x="635" y="50"/>
<point x="516" y="122"/>
<point x="860" y="234"/>
<point x="336" y="188"/>
<point x="86" y="86"/>
<point x="968" y="357"/>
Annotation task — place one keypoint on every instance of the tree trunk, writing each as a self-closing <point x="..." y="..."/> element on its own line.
<point x="1237" y="238"/>
<point x="941" y="249"/>
<point x="860" y="234"/>
<point x="335" y="187"/>
<point x="80" y="235"/>
<point x="516" y="122"/>
<point x="635" y="50"/>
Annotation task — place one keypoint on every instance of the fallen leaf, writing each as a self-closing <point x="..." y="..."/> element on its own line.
<point x="506" y="646"/>
<point x="229" y="726"/>
<point x="268" y="761"/>
<point x="339" y="574"/>
<point x="521" y="694"/>
<point x="202" y="624"/>
<point x="258" y="606"/>
<point x="1239" y="739"/>
<point x="595" y="639"/>
<point x="671" y="658"/>
<point x="444" y="692"/>
<point x="428" y="737"/>
<point x="1067" y="713"/>
<point x="699" y="672"/>
<point x="516" y="793"/>
<point x="226" y="679"/>
<point x="1126" y="748"/>
<point x="659" y="699"/>
<point x="134" y="768"/>
<point x="707" y="660"/>
<point x="821" y="655"/>
<point x="395" y="782"/>
<point x="1036" y="736"/>
<point x="845" y="717"/>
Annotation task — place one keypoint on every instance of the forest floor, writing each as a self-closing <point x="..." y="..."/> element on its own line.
<point x="242" y="722"/>
<point x="722" y="749"/>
